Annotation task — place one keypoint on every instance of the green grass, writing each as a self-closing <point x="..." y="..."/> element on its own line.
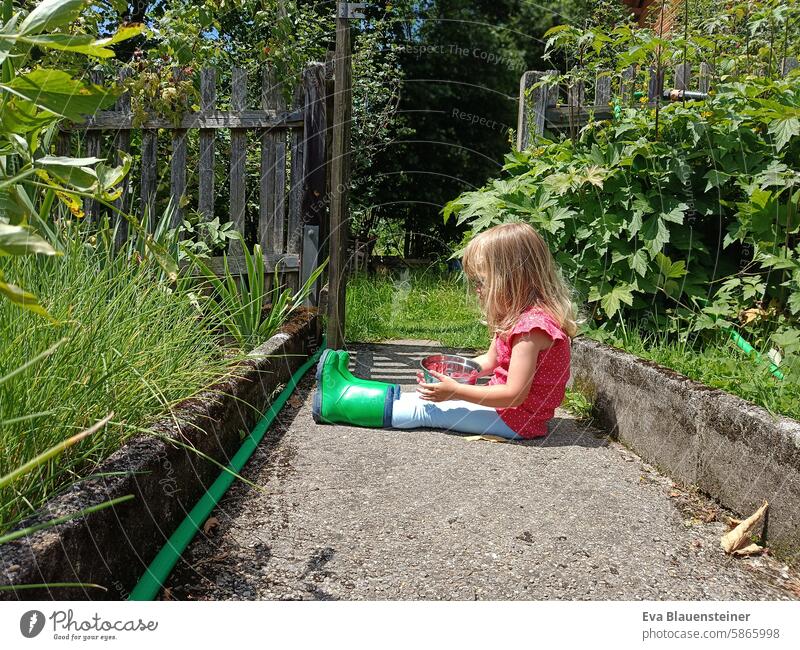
<point x="131" y="345"/>
<point x="721" y="364"/>
<point x="419" y="304"/>
<point x="428" y="304"/>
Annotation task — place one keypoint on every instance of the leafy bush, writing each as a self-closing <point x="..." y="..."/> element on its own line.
<point x="696" y="227"/>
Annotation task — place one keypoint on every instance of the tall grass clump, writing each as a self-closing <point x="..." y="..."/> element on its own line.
<point x="130" y="343"/>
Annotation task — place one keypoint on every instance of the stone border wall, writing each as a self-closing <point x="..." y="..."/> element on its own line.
<point x="736" y="452"/>
<point x="112" y="547"/>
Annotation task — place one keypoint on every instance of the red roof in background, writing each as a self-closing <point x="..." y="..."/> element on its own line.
<point x="649" y="13"/>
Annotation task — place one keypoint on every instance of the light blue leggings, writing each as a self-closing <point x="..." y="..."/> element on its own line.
<point x="410" y="411"/>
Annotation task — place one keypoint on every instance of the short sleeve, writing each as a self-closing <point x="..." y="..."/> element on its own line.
<point x="535" y="319"/>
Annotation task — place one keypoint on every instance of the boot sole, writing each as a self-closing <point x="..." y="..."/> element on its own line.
<point x="316" y="402"/>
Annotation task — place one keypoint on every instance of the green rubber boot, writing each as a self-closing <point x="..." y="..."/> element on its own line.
<point x="360" y="402"/>
<point x="343" y="363"/>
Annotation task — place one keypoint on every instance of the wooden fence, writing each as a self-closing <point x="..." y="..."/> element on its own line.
<point x="294" y="163"/>
<point x="539" y="108"/>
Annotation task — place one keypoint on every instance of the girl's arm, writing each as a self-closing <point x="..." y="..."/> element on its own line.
<point x="487" y="361"/>
<point x="521" y="368"/>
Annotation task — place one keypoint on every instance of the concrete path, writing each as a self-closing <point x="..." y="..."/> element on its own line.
<point x="358" y="513"/>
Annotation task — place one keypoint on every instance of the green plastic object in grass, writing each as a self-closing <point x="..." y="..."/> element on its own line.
<point x="748" y="349"/>
<point x="157" y="573"/>
<point x="751" y="351"/>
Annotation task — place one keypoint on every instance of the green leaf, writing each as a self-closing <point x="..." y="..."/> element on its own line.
<point x="716" y="178"/>
<point x="784" y="130"/>
<point x="50" y="14"/>
<point x="676" y="214"/>
<point x="22" y="298"/>
<point x="638" y="262"/>
<point x="84" y="43"/>
<point x="59" y="93"/>
<point x="655" y="233"/>
<point x="610" y="302"/>
<point x="670" y="269"/>
<point x="793" y="303"/>
<point x="18" y="240"/>
<point x="6" y="45"/>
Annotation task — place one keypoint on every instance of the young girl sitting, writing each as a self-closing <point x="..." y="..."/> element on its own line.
<point x="527" y="306"/>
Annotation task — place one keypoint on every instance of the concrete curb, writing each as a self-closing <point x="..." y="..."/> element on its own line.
<point x="736" y="452"/>
<point x="112" y="547"/>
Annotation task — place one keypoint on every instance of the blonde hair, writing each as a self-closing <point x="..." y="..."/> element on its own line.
<point x="517" y="271"/>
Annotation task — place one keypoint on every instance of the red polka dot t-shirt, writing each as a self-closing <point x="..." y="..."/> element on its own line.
<point x="529" y="419"/>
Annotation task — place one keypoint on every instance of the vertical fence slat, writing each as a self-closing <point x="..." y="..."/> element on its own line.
<point x="177" y="168"/>
<point x="238" y="151"/>
<point x="683" y="76"/>
<point x="294" y="226"/>
<point x="122" y="141"/>
<point x="602" y="90"/>
<point x="532" y="107"/>
<point x="208" y="102"/>
<point x="94" y="144"/>
<point x="788" y="64"/>
<point x="270" y="232"/>
<point x="279" y="203"/>
<point x="148" y="173"/>
<point x="526" y="115"/>
<point x="655" y="84"/>
<point x="704" y="80"/>
<point x="627" y="84"/>
<point x="294" y="223"/>
<point x="576" y="95"/>
<point x="63" y="143"/>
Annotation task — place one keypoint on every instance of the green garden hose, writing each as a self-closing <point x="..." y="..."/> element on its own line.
<point x="745" y="347"/>
<point x="156" y="574"/>
<point x="750" y="350"/>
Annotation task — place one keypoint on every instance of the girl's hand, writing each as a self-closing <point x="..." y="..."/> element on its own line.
<point x="445" y="389"/>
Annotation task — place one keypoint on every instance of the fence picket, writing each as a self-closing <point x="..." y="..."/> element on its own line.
<point x="148" y="173"/>
<point x="238" y="153"/>
<point x="626" y="86"/>
<point x="683" y="76"/>
<point x="208" y="103"/>
<point x="177" y="168"/>
<point x="94" y="145"/>
<point x="655" y="84"/>
<point x="602" y="90"/>
<point x="704" y="80"/>
<point x="122" y="142"/>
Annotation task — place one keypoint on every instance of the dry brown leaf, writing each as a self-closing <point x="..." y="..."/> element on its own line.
<point x="211" y="524"/>
<point x="752" y="549"/>
<point x="486" y="436"/>
<point x="739" y="537"/>
<point x="749" y="315"/>
<point x="732" y="522"/>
